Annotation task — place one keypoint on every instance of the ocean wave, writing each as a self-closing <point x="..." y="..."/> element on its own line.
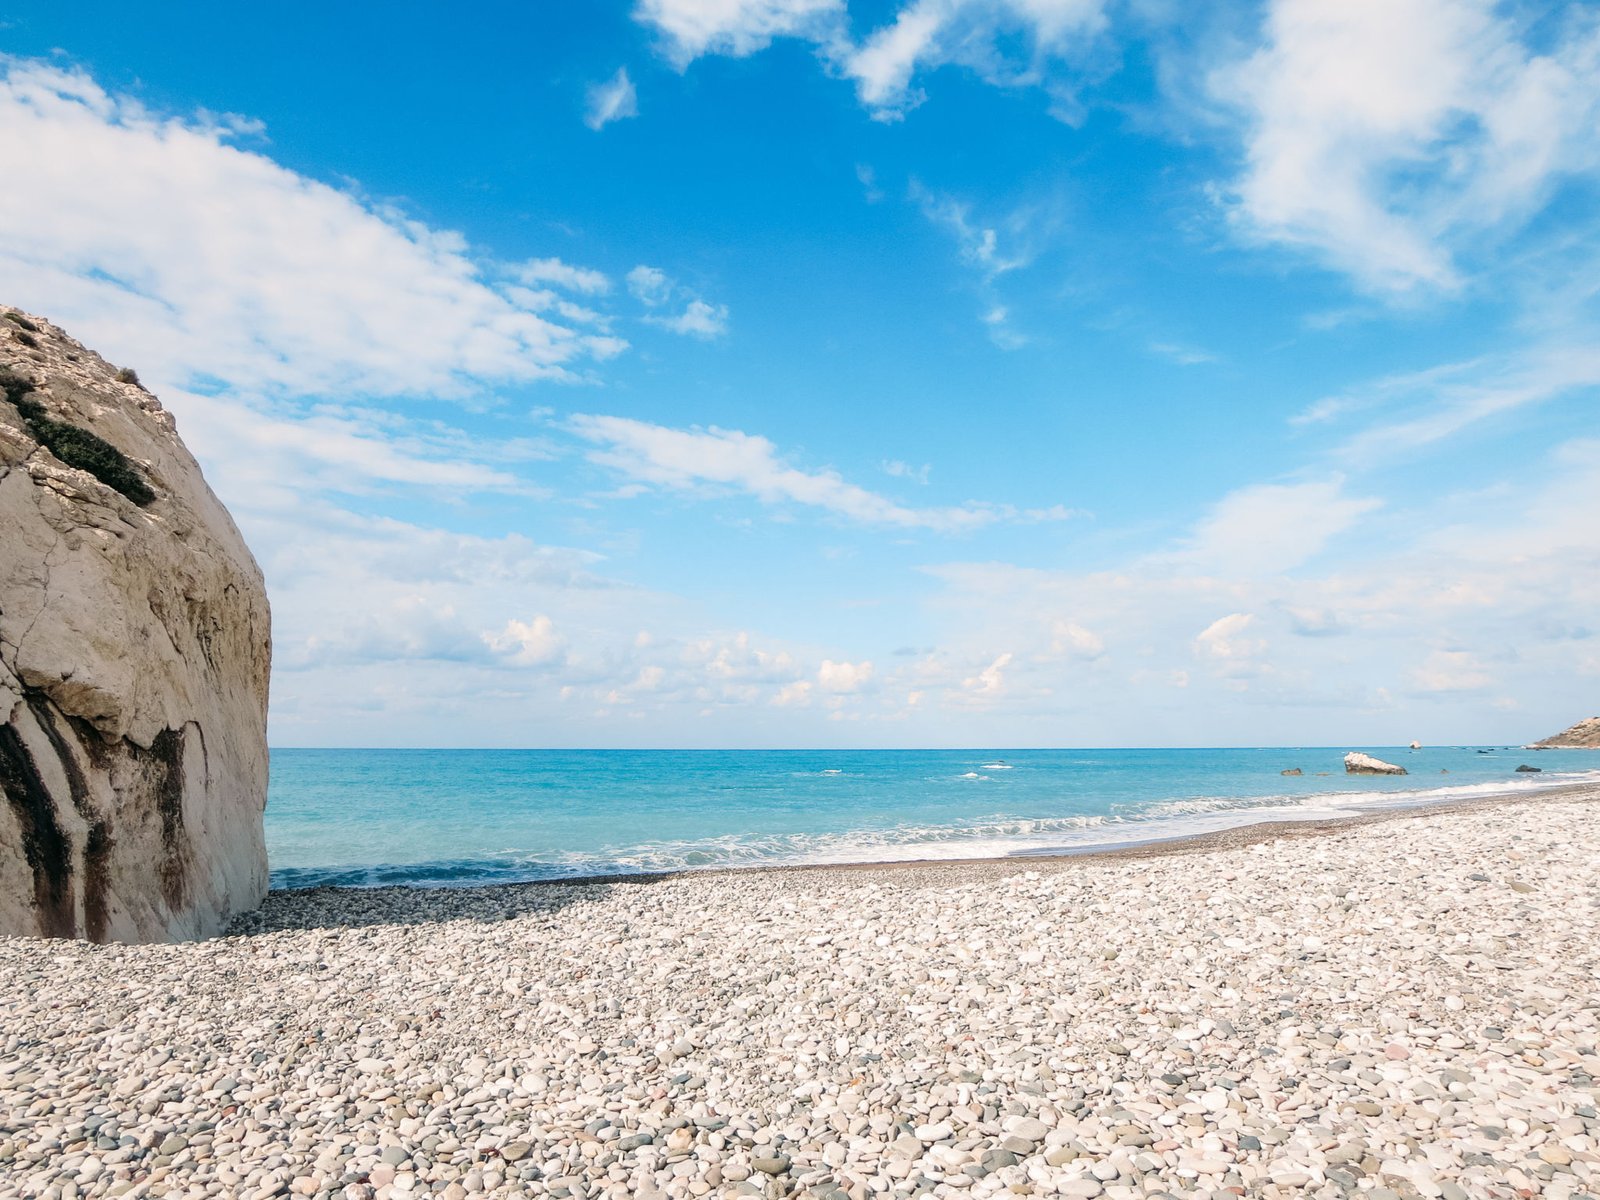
<point x="995" y="836"/>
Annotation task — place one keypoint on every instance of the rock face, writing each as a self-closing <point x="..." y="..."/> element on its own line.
<point x="1585" y="735"/>
<point x="135" y="643"/>
<point x="1356" y="763"/>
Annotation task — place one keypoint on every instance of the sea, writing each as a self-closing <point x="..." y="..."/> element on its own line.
<point x="362" y="818"/>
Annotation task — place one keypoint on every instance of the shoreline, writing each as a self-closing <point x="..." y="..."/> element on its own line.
<point x="1202" y="842"/>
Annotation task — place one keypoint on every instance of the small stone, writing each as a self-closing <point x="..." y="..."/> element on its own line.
<point x="1084" y="1187"/>
<point x="776" y="1164"/>
<point x="515" y="1151"/>
<point x="1029" y="1128"/>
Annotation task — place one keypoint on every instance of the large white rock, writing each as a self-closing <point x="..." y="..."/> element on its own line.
<point x="1356" y="763"/>
<point x="135" y="642"/>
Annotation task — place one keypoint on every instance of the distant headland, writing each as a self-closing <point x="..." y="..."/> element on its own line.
<point x="1585" y="735"/>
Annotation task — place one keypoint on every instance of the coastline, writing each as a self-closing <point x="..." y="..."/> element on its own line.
<point x="1392" y="1006"/>
<point x="1228" y="837"/>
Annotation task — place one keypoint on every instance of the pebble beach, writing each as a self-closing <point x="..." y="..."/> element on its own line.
<point x="1406" y="1006"/>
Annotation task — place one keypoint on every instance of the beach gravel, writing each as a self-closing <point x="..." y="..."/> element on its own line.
<point x="1406" y="1008"/>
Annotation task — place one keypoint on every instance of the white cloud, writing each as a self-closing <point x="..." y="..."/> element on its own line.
<point x="736" y="27"/>
<point x="841" y="677"/>
<point x="990" y="249"/>
<point x="1184" y="356"/>
<point x="977" y="243"/>
<point x="1008" y="43"/>
<point x="1068" y="637"/>
<point x="901" y="470"/>
<point x="563" y="275"/>
<point x="160" y="242"/>
<point x="613" y="100"/>
<point x="1450" y="671"/>
<point x="793" y="695"/>
<point x="686" y="459"/>
<point x="653" y="288"/>
<point x="532" y="643"/>
<point x="1430" y="406"/>
<point x="1389" y="136"/>
<point x="982" y="35"/>
<point x="1274" y="527"/>
<point x="649" y="285"/>
<point x="1223" y="638"/>
<point x="991" y="680"/>
<point x="699" y="319"/>
<point x="266" y="447"/>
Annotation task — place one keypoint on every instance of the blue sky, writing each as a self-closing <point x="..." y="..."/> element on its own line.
<point x="943" y="372"/>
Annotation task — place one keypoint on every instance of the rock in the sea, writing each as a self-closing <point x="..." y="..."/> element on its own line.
<point x="1527" y="770"/>
<point x="1292" y="771"/>
<point x="1416" y="745"/>
<point x="135" y="643"/>
<point x="1585" y="735"/>
<point x="1356" y="763"/>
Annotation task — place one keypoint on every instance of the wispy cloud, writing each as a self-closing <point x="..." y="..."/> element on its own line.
<point x="655" y="289"/>
<point x="563" y="275"/>
<point x="690" y="28"/>
<point x="248" y="272"/>
<point x="1008" y="43"/>
<point x="698" y="319"/>
<point x="1389" y="139"/>
<point x="1184" y="356"/>
<point x="1422" y="408"/>
<point x="901" y="470"/>
<point x="692" y="459"/>
<point x="1274" y="527"/>
<point x="613" y="100"/>
<point x="990" y="249"/>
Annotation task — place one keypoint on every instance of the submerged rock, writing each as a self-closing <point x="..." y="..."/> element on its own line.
<point x="1292" y="771"/>
<point x="134" y="652"/>
<point x="1356" y="763"/>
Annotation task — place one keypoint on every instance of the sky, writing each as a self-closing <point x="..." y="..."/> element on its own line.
<point x="793" y="373"/>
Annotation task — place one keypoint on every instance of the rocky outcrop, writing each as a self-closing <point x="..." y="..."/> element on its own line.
<point x="134" y="652"/>
<point x="1585" y="735"/>
<point x="1356" y="763"/>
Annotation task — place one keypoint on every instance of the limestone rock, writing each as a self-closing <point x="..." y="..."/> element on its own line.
<point x="135" y="644"/>
<point x="1356" y="763"/>
<point x="1585" y="735"/>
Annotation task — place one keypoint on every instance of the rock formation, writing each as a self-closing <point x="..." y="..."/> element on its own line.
<point x="134" y="651"/>
<point x="1356" y="763"/>
<point x="1585" y="735"/>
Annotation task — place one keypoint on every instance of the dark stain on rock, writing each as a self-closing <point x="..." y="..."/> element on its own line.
<point x="166" y="753"/>
<point x="97" y="847"/>
<point x="44" y="844"/>
<point x="97" y="882"/>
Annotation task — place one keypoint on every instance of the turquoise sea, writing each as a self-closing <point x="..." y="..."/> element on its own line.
<point x="460" y="817"/>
